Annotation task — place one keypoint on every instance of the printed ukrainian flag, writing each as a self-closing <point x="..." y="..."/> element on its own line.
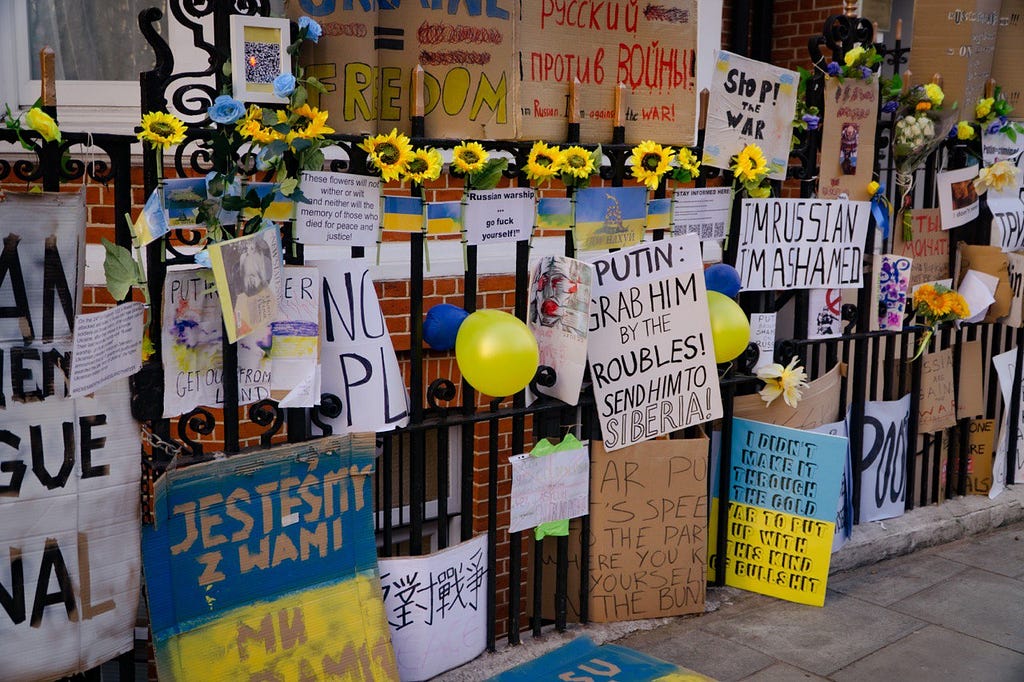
<point x="152" y="221"/>
<point x="403" y="214"/>
<point x="444" y="217"/>
<point x="554" y="214"/>
<point x="659" y="214"/>
<point x="610" y="217"/>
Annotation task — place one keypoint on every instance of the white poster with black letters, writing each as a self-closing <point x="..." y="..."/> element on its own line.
<point x="883" y="480"/>
<point x="1008" y="214"/>
<point x="357" y="359"/>
<point x="844" y="509"/>
<point x="802" y="244"/>
<point x="958" y="198"/>
<point x="650" y="350"/>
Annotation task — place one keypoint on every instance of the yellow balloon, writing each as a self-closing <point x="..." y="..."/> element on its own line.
<point x="730" y="328"/>
<point x="496" y="352"/>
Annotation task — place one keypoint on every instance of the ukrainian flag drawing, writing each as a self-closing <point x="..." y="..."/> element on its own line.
<point x="403" y="214"/>
<point x="659" y="214"/>
<point x="610" y="217"/>
<point x="444" y="217"/>
<point x="554" y="214"/>
<point x="152" y="221"/>
<point x="281" y="208"/>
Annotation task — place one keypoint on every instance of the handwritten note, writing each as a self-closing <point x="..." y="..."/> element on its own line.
<point x="937" y="404"/>
<point x="762" y="332"/>
<point x="548" y="488"/>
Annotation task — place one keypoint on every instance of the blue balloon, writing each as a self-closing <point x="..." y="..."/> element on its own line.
<point x="441" y="325"/>
<point x="722" y="278"/>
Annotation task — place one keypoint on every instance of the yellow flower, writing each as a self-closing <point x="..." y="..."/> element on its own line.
<point x="542" y="163"/>
<point x="317" y="126"/>
<point x="650" y="162"/>
<point x="873" y="187"/>
<point x="1000" y="176"/>
<point x="785" y="381"/>
<point x="389" y="153"/>
<point x="750" y="165"/>
<point x="41" y="122"/>
<point x="577" y="162"/>
<point x="161" y="130"/>
<point x="254" y="113"/>
<point x="934" y="94"/>
<point x="964" y="131"/>
<point x="255" y="131"/>
<point x="688" y="161"/>
<point x="424" y="165"/>
<point x="854" y="55"/>
<point x="984" y="107"/>
<point x="469" y="157"/>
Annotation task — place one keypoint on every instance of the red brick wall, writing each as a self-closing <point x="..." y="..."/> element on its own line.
<point x="795" y="21"/>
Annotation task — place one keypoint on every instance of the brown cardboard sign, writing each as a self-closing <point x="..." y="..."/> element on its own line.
<point x="928" y="247"/>
<point x="937" y="405"/>
<point x="991" y="261"/>
<point x="971" y="396"/>
<point x="980" y="451"/>
<point x="848" y="135"/>
<point x="819" y="405"/>
<point x="1009" y="52"/>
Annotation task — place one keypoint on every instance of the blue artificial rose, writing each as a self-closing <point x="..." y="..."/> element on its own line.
<point x="226" y="110"/>
<point x="203" y="258"/>
<point x="834" y="69"/>
<point x="284" y="85"/>
<point x="313" y="30"/>
<point x="865" y="72"/>
<point x="994" y="127"/>
<point x="890" y="106"/>
<point x="811" y="120"/>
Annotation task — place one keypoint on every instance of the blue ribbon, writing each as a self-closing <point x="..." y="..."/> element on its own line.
<point x="881" y="210"/>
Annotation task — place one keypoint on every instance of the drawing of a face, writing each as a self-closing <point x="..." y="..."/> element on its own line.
<point x="553" y="293"/>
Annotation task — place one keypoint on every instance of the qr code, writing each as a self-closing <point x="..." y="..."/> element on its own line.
<point x="262" y="62"/>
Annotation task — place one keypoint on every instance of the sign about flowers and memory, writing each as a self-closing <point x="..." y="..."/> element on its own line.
<point x="649" y="346"/>
<point x="69" y="478"/>
<point x="848" y="138"/>
<point x="340" y="208"/>
<point x="784" y="487"/>
<point x="751" y="103"/>
<point x="264" y="566"/>
<point x="802" y="244"/>
<point x="436" y="606"/>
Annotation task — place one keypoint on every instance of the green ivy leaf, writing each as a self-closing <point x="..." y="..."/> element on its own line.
<point x="314" y="160"/>
<point x="299" y="97"/>
<point x="120" y="269"/>
<point x="316" y="84"/>
<point x="1010" y="133"/>
<point x="489" y="176"/>
<point x="299" y="144"/>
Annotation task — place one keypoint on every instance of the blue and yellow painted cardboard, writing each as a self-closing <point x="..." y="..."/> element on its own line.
<point x="264" y="567"/>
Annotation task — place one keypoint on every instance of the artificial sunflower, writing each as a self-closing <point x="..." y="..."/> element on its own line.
<point x="577" y="163"/>
<point x="469" y="157"/>
<point x="750" y="165"/>
<point x="650" y="162"/>
<point x="317" y="126"/>
<point x="543" y="161"/>
<point x="258" y="133"/>
<point x="389" y="153"/>
<point x="787" y="382"/>
<point x="689" y="165"/>
<point x="161" y="130"/>
<point x="424" y="165"/>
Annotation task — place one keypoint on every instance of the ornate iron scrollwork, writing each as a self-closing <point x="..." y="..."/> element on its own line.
<point x="267" y="413"/>
<point x="330" y="407"/>
<point x="199" y="421"/>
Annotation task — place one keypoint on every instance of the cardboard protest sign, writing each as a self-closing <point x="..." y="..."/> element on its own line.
<point x="971" y="397"/>
<point x="929" y="247"/>
<point x="548" y="488"/>
<point x="266" y="564"/>
<point x="844" y="507"/>
<point x="1009" y="52"/>
<point x="883" y="480"/>
<point x="369" y="51"/>
<point x="937" y="404"/>
<point x="107" y="347"/>
<point x="610" y="217"/>
<point x="990" y="261"/>
<point x="559" y="317"/>
<point x="649" y="347"/>
<point x="751" y="103"/>
<point x="819" y="405"/>
<point x="652" y="51"/>
<point x="359" y="362"/>
<point x="581" y="659"/>
<point x="957" y="39"/>
<point x="981" y="447"/>
<point x="958" y="199"/>
<point x="295" y="353"/>
<point x="340" y="208"/>
<point x="784" y="492"/>
<point x="802" y="244"/>
<point x="824" y="313"/>
<point x="703" y="211"/>
<point x="892" y="284"/>
<point x="848" y="136"/>
<point x="499" y="215"/>
<point x="436" y="606"/>
<point x="648" y="514"/>
<point x="247" y="271"/>
<point x="191" y="343"/>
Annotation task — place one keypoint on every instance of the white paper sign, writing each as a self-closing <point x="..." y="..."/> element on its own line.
<point x="499" y="215"/>
<point x="107" y="346"/>
<point x="883" y="479"/>
<point x="1008" y="213"/>
<point x="978" y="290"/>
<point x="359" y="365"/>
<point x="703" y="211"/>
<point x="958" y="199"/>
<point x="650" y="349"/>
<point x="1005" y="365"/>
<point x="1015" y="274"/>
<point x="762" y="332"/>
<point x="824" y="313"/>
<point x="436" y="606"/>
<point x="844" y="509"/>
<point x="296" y="332"/>
<point x="999" y="147"/>
<point x="191" y="347"/>
<point x="802" y="244"/>
<point x="340" y="208"/>
<point x="751" y="103"/>
<point x="549" y="488"/>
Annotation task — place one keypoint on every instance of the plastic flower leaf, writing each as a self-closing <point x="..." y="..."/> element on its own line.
<point x="284" y="85"/>
<point x="650" y="162"/>
<point x="542" y="162"/>
<point x="41" y="122"/>
<point x="787" y="382"/>
<point x="490" y="175"/>
<point x="424" y="165"/>
<point x="964" y="131"/>
<point x="161" y="130"/>
<point x="1000" y="176"/>
<point x="469" y="157"/>
<point x="120" y="269"/>
<point x="226" y="110"/>
<point x="389" y="153"/>
<point x="311" y="27"/>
